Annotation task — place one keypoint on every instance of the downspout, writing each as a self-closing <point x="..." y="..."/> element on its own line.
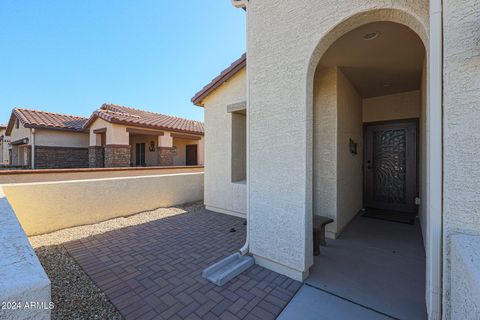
<point x="435" y="168"/>
<point x="246" y="247"/>
<point x="33" y="149"/>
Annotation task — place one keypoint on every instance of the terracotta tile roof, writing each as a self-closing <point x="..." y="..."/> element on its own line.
<point x="219" y="80"/>
<point x="48" y="120"/>
<point x="140" y="118"/>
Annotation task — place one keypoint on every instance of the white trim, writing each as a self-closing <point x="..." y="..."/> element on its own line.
<point x="226" y="211"/>
<point x="236" y="107"/>
<point x="280" y="268"/>
<point x="434" y="164"/>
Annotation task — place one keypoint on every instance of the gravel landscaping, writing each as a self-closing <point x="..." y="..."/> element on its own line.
<point x="74" y="294"/>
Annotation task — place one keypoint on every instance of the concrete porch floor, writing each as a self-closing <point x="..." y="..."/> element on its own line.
<point x="374" y="270"/>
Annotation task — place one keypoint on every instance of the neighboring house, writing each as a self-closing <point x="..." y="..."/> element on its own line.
<point x="4" y="141"/>
<point x="46" y="140"/>
<point x="345" y="105"/>
<point x="114" y="136"/>
<point x="123" y="137"/>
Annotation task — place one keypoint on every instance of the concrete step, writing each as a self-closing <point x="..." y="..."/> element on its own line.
<point x="228" y="268"/>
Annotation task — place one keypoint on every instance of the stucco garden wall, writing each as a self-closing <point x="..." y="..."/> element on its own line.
<point x="49" y="206"/>
<point x="221" y="194"/>
<point x="286" y="40"/>
<point x="28" y="176"/>
<point x="461" y="188"/>
<point x="22" y="278"/>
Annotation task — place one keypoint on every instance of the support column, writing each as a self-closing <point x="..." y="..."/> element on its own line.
<point x="117" y="156"/>
<point x="435" y="263"/>
<point x="166" y="151"/>
<point x="27" y="153"/>
<point x="201" y="151"/>
<point x="95" y="157"/>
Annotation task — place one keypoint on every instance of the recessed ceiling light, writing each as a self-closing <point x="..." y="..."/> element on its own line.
<point x="370" y="36"/>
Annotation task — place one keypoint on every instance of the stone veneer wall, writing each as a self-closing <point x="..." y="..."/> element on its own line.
<point x="60" y="157"/>
<point x="95" y="157"/>
<point x="166" y="155"/>
<point x="117" y="156"/>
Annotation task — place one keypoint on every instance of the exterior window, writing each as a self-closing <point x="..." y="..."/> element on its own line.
<point x="17" y="124"/>
<point x="239" y="147"/>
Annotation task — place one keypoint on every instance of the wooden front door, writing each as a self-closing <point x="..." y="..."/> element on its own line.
<point x="191" y="155"/>
<point x="391" y="166"/>
<point x="140" y="154"/>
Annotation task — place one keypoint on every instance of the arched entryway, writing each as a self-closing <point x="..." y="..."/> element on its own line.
<point x="368" y="83"/>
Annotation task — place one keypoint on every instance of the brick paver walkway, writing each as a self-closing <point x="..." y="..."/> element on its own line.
<point x="153" y="271"/>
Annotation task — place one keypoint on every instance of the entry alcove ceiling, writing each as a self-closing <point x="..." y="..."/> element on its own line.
<point x="390" y="63"/>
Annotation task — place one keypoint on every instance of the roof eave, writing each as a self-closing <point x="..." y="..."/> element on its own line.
<point x="235" y="67"/>
<point x="111" y="119"/>
<point x="11" y="122"/>
<point x="90" y="121"/>
<point x="127" y="123"/>
<point x="34" y="126"/>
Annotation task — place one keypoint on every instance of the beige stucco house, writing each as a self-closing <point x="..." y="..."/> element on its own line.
<point x="224" y="100"/>
<point x="47" y="140"/>
<point x="121" y="137"/>
<point x="348" y="105"/>
<point x="4" y="141"/>
<point x="114" y="136"/>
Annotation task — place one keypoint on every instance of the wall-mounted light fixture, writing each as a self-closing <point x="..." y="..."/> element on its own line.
<point x="152" y="146"/>
<point x="353" y="147"/>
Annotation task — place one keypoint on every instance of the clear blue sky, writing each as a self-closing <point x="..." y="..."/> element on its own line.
<point x="71" y="56"/>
